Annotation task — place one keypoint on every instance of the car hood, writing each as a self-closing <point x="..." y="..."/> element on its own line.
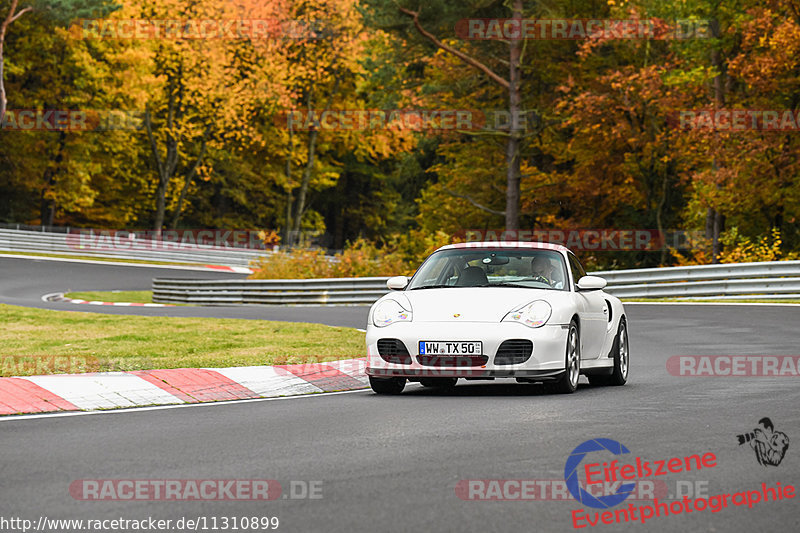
<point x="476" y="304"/>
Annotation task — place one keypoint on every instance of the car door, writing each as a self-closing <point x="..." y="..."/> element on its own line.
<point x="592" y="311"/>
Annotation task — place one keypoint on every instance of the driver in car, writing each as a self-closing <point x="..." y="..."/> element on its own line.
<point x="542" y="270"/>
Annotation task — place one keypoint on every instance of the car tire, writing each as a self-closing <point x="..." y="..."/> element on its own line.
<point x="568" y="383"/>
<point x="387" y="385"/>
<point x="438" y="383"/>
<point x="621" y="351"/>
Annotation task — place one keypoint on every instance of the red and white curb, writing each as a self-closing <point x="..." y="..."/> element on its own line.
<point x="237" y="270"/>
<point x="111" y="390"/>
<point x="59" y="297"/>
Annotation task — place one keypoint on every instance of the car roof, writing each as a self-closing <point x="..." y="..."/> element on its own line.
<point x="507" y="244"/>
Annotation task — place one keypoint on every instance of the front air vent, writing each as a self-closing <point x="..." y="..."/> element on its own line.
<point x="452" y="360"/>
<point x="393" y="351"/>
<point x="513" y="352"/>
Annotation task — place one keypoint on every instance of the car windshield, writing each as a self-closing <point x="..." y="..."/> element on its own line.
<point x="530" y="268"/>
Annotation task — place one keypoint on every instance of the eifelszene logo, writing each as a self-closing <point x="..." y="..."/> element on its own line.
<point x="769" y="445"/>
<point x="617" y="471"/>
<point x="571" y="474"/>
<point x="775" y="444"/>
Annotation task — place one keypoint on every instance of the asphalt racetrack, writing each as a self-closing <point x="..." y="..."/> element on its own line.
<point x="394" y="463"/>
<point x="25" y="281"/>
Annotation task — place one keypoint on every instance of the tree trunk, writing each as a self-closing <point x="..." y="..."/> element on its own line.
<point x="710" y="214"/>
<point x="3" y="99"/>
<point x="161" y="193"/>
<point x="514" y="133"/>
<point x="340" y="214"/>
<point x="288" y="238"/>
<point x="718" y="223"/>
<point x="189" y="177"/>
<point x="287" y="227"/>
<point x="719" y="227"/>
<point x="11" y="17"/>
<point x="164" y="168"/>
<point x="659" y="216"/>
<point x="308" y="171"/>
<point x="48" y="207"/>
<point x="302" y="193"/>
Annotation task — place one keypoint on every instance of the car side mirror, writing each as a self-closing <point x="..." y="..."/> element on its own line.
<point x="591" y="283"/>
<point x="397" y="283"/>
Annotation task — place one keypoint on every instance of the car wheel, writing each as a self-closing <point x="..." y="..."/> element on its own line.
<point x="387" y="385"/>
<point x="569" y="381"/>
<point x="439" y="383"/>
<point x="621" y="351"/>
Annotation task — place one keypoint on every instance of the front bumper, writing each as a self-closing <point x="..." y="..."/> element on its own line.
<point x="528" y="375"/>
<point x="547" y="360"/>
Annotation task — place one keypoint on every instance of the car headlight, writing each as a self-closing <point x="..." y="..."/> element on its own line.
<point x="534" y="315"/>
<point x="388" y="312"/>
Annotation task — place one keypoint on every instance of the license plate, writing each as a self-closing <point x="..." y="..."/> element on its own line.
<point x="450" y="348"/>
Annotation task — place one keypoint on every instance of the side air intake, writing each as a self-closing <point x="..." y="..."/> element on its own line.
<point x="393" y="351"/>
<point x="513" y="352"/>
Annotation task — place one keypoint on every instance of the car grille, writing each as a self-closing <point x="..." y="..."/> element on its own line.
<point x="513" y="352"/>
<point x="393" y="351"/>
<point x="452" y="360"/>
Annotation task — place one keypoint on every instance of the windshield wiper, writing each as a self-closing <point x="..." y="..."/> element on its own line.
<point x="504" y="284"/>
<point x="518" y="285"/>
<point x="430" y="287"/>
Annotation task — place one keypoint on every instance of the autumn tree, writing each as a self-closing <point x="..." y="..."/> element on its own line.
<point x="200" y="92"/>
<point x="12" y="14"/>
<point x="325" y="72"/>
<point x="434" y="23"/>
<point x="55" y="168"/>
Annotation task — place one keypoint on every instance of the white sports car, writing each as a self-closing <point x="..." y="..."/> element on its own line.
<point x="497" y="310"/>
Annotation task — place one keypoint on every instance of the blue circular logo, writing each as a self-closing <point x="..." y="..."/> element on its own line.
<point x="571" y="474"/>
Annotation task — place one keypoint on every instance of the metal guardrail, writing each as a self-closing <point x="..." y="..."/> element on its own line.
<point x="774" y="280"/>
<point x="25" y="241"/>
<point x="340" y="291"/>
<point x="37" y="228"/>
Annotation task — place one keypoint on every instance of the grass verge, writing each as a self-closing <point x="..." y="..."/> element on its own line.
<point x="143" y="297"/>
<point x="40" y="341"/>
